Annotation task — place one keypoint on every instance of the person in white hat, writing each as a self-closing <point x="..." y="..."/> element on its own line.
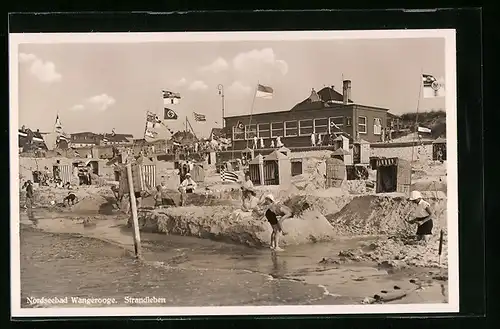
<point x="274" y="211"/>
<point x="423" y="216"/>
<point x="188" y="185"/>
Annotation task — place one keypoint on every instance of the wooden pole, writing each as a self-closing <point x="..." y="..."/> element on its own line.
<point x="133" y="207"/>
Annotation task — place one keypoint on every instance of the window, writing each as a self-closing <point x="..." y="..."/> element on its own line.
<point x="348" y="121"/>
<point x="277" y="129"/>
<point x="291" y="128"/>
<point x="321" y="126"/>
<point x="377" y="126"/>
<point x="250" y="131"/>
<point x="335" y="122"/>
<point x="238" y="134"/>
<point x="263" y="130"/>
<point x="362" y="125"/>
<point x="305" y="127"/>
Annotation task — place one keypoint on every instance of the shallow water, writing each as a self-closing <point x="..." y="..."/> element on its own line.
<point x="188" y="271"/>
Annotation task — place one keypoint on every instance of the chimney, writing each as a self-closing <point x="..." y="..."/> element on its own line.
<point x="346" y="91"/>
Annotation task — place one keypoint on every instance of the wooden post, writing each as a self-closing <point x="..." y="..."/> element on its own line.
<point x="133" y="207"/>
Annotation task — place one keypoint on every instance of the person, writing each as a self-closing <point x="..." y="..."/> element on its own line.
<point x="320" y="142"/>
<point x="261" y="143"/>
<point x="255" y="146"/>
<point x="313" y="140"/>
<point x="70" y="198"/>
<point x="158" y="198"/>
<point x="248" y="181"/>
<point x="440" y="155"/>
<point x="188" y="185"/>
<point x="275" y="210"/>
<point x="423" y="217"/>
<point x="272" y="143"/>
<point x="29" y="194"/>
<point x="250" y="200"/>
<point x="278" y="142"/>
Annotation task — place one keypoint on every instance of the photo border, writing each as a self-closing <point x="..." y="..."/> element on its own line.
<point x="246" y="313"/>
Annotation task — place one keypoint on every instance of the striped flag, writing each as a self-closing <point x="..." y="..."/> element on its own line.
<point x="170" y="97"/>
<point x="228" y="176"/>
<point x="199" y="117"/>
<point x="264" y="92"/>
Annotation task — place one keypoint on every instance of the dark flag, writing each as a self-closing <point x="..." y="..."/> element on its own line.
<point x="240" y="125"/>
<point x="170" y="114"/>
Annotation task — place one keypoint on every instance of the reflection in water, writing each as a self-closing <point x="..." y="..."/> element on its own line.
<point x="31" y="216"/>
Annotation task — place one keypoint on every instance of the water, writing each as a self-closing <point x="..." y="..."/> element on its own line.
<point x="186" y="271"/>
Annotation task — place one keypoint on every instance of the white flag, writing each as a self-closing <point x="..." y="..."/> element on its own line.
<point x="264" y="92"/>
<point x="432" y="87"/>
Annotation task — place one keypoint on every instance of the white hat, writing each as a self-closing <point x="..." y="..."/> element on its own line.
<point x="270" y="197"/>
<point x="415" y="195"/>
<point x="188" y="174"/>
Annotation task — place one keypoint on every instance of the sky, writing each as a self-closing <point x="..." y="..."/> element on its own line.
<point x="100" y="87"/>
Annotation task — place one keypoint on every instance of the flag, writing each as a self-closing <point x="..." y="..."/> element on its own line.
<point x="171" y="97"/>
<point x="199" y="117"/>
<point x="432" y="87"/>
<point x="240" y="125"/>
<point x="228" y="176"/>
<point x="264" y="92"/>
<point x="151" y="131"/>
<point x="58" y="126"/>
<point x="424" y="130"/>
<point x="170" y="114"/>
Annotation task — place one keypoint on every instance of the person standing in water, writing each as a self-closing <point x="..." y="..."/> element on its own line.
<point x="273" y="212"/>
<point x="423" y="217"/>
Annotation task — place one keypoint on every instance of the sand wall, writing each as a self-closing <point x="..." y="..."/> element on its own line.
<point x="226" y="224"/>
<point x="384" y="215"/>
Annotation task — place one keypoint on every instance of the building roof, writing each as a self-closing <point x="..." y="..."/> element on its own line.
<point x="258" y="159"/>
<point x="275" y="155"/>
<point x="340" y="151"/>
<point x="36" y="136"/>
<point x="439" y="140"/>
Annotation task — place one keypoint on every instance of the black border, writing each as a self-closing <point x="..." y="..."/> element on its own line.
<point x="467" y="23"/>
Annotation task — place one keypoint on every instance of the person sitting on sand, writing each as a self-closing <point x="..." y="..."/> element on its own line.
<point x="423" y="217"/>
<point x="70" y="198"/>
<point x="188" y="185"/>
<point x="158" y="196"/>
<point x="250" y="200"/>
<point x="275" y="210"/>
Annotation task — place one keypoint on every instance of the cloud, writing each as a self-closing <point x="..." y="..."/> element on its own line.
<point x="181" y="82"/>
<point x="198" y="85"/>
<point x="45" y="71"/>
<point x="101" y="102"/>
<point x="77" y="107"/>
<point x="239" y="88"/>
<point x="219" y="65"/>
<point x="259" y="60"/>
<point x="25" y="58"/>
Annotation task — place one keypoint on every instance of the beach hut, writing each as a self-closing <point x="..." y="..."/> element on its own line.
<point x="393" y="175"/>
<point x="277" y="169"/>
<point x="248" y="153"/>
<point x="343" y="155"/>
<point x="335" y="172"/>
<point x="439" y="149"/>
<point x="63" y="171"/>
<point x="297" y="166"/>
<point x="361" y="152"/>
<point x="341" y="142"/>
<point x="256" y="170"/>
<point x="285" y="151"/>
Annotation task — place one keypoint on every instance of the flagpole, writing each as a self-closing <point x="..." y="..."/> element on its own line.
<point x="220" y="87"/>
<point x="416" y="122"/>
<point x="251" y="112"/>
